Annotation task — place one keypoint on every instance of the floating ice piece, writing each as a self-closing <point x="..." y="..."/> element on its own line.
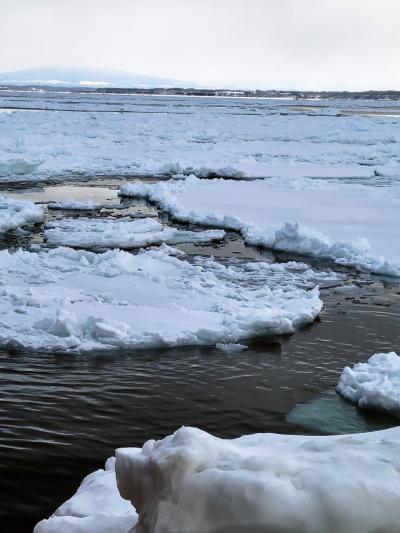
<point x="108" y="233"/>
<point x="73" y="301"/>
<point x="196" y="237"/>
<point x="16" y="213"/>
<point x="346" y="289"/>
<point x="354" y="225"/>
<point x="96" y="507"/>
<point x="87" y="205"/>
<point x="122" y="233"/>
<point x="374" y="384"/>
<point x="193" y="482"/>
<point x="231" y="347"/>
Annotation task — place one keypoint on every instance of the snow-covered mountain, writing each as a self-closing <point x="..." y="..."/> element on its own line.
<point x="67" y="76"/>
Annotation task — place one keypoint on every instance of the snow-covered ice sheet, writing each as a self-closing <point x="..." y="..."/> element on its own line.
<point x="96" y="507"/>
<point x="86" y="205"/>
<point x="355" y="225"/>
<point x="192" y="482"/>
<point x="374" y="384"/>
<point x="16" y="213"/>
<point x="71" y="301"/>
<point x="122" y="233"/>
<point x="136" y="135"/>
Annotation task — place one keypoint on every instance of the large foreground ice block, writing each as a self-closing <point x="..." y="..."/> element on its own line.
<point x="192" y="482"/>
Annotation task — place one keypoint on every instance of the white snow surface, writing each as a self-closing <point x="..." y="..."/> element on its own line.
<point x="352" y="224"/>
<point x="158" y="135"/>
<point x="121" y="233"/>
<point x="374" y="384"/>
<point x="192" y="482"/>
<point x="96" y="507"/>
<point x="73" y="301"/>
<point x="86" y="205"/>
<point x="17" y="213"/>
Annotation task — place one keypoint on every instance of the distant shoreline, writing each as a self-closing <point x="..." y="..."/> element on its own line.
<point x="225" y="93"/>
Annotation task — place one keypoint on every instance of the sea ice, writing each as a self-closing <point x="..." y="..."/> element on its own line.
<point x="86" y="205"/>
<point x="374" y="384"/>
<point x="96" y="507"/>
<point x="73" y="301"/>
<point x="233" y="347"/>
<point x="354" y="225"/>
<point x="193" y="482"/>
<point x="346" y="289"/>
<point x="152" y="135"/>
<point x="123" y="233"/>
<point x="16" y="213"/>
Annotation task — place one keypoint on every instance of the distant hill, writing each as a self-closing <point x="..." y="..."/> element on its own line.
<point x="73" y="77"/>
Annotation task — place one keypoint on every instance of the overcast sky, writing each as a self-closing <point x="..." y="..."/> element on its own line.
<point x="305" y="44"/>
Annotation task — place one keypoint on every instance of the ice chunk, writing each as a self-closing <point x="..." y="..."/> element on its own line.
<point x="16" y="213"/>
<point x="192" y="482"/>
<point x="346" y="289"/>
<point x="122" y="233"/>
<point x="87" y="205"/>
<point x="73" y="301"/>
<point x="374" y="384"/>
<point x="107" y="233"/>
<point x="96" y="507"/>
<point x="231" y="347"/>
